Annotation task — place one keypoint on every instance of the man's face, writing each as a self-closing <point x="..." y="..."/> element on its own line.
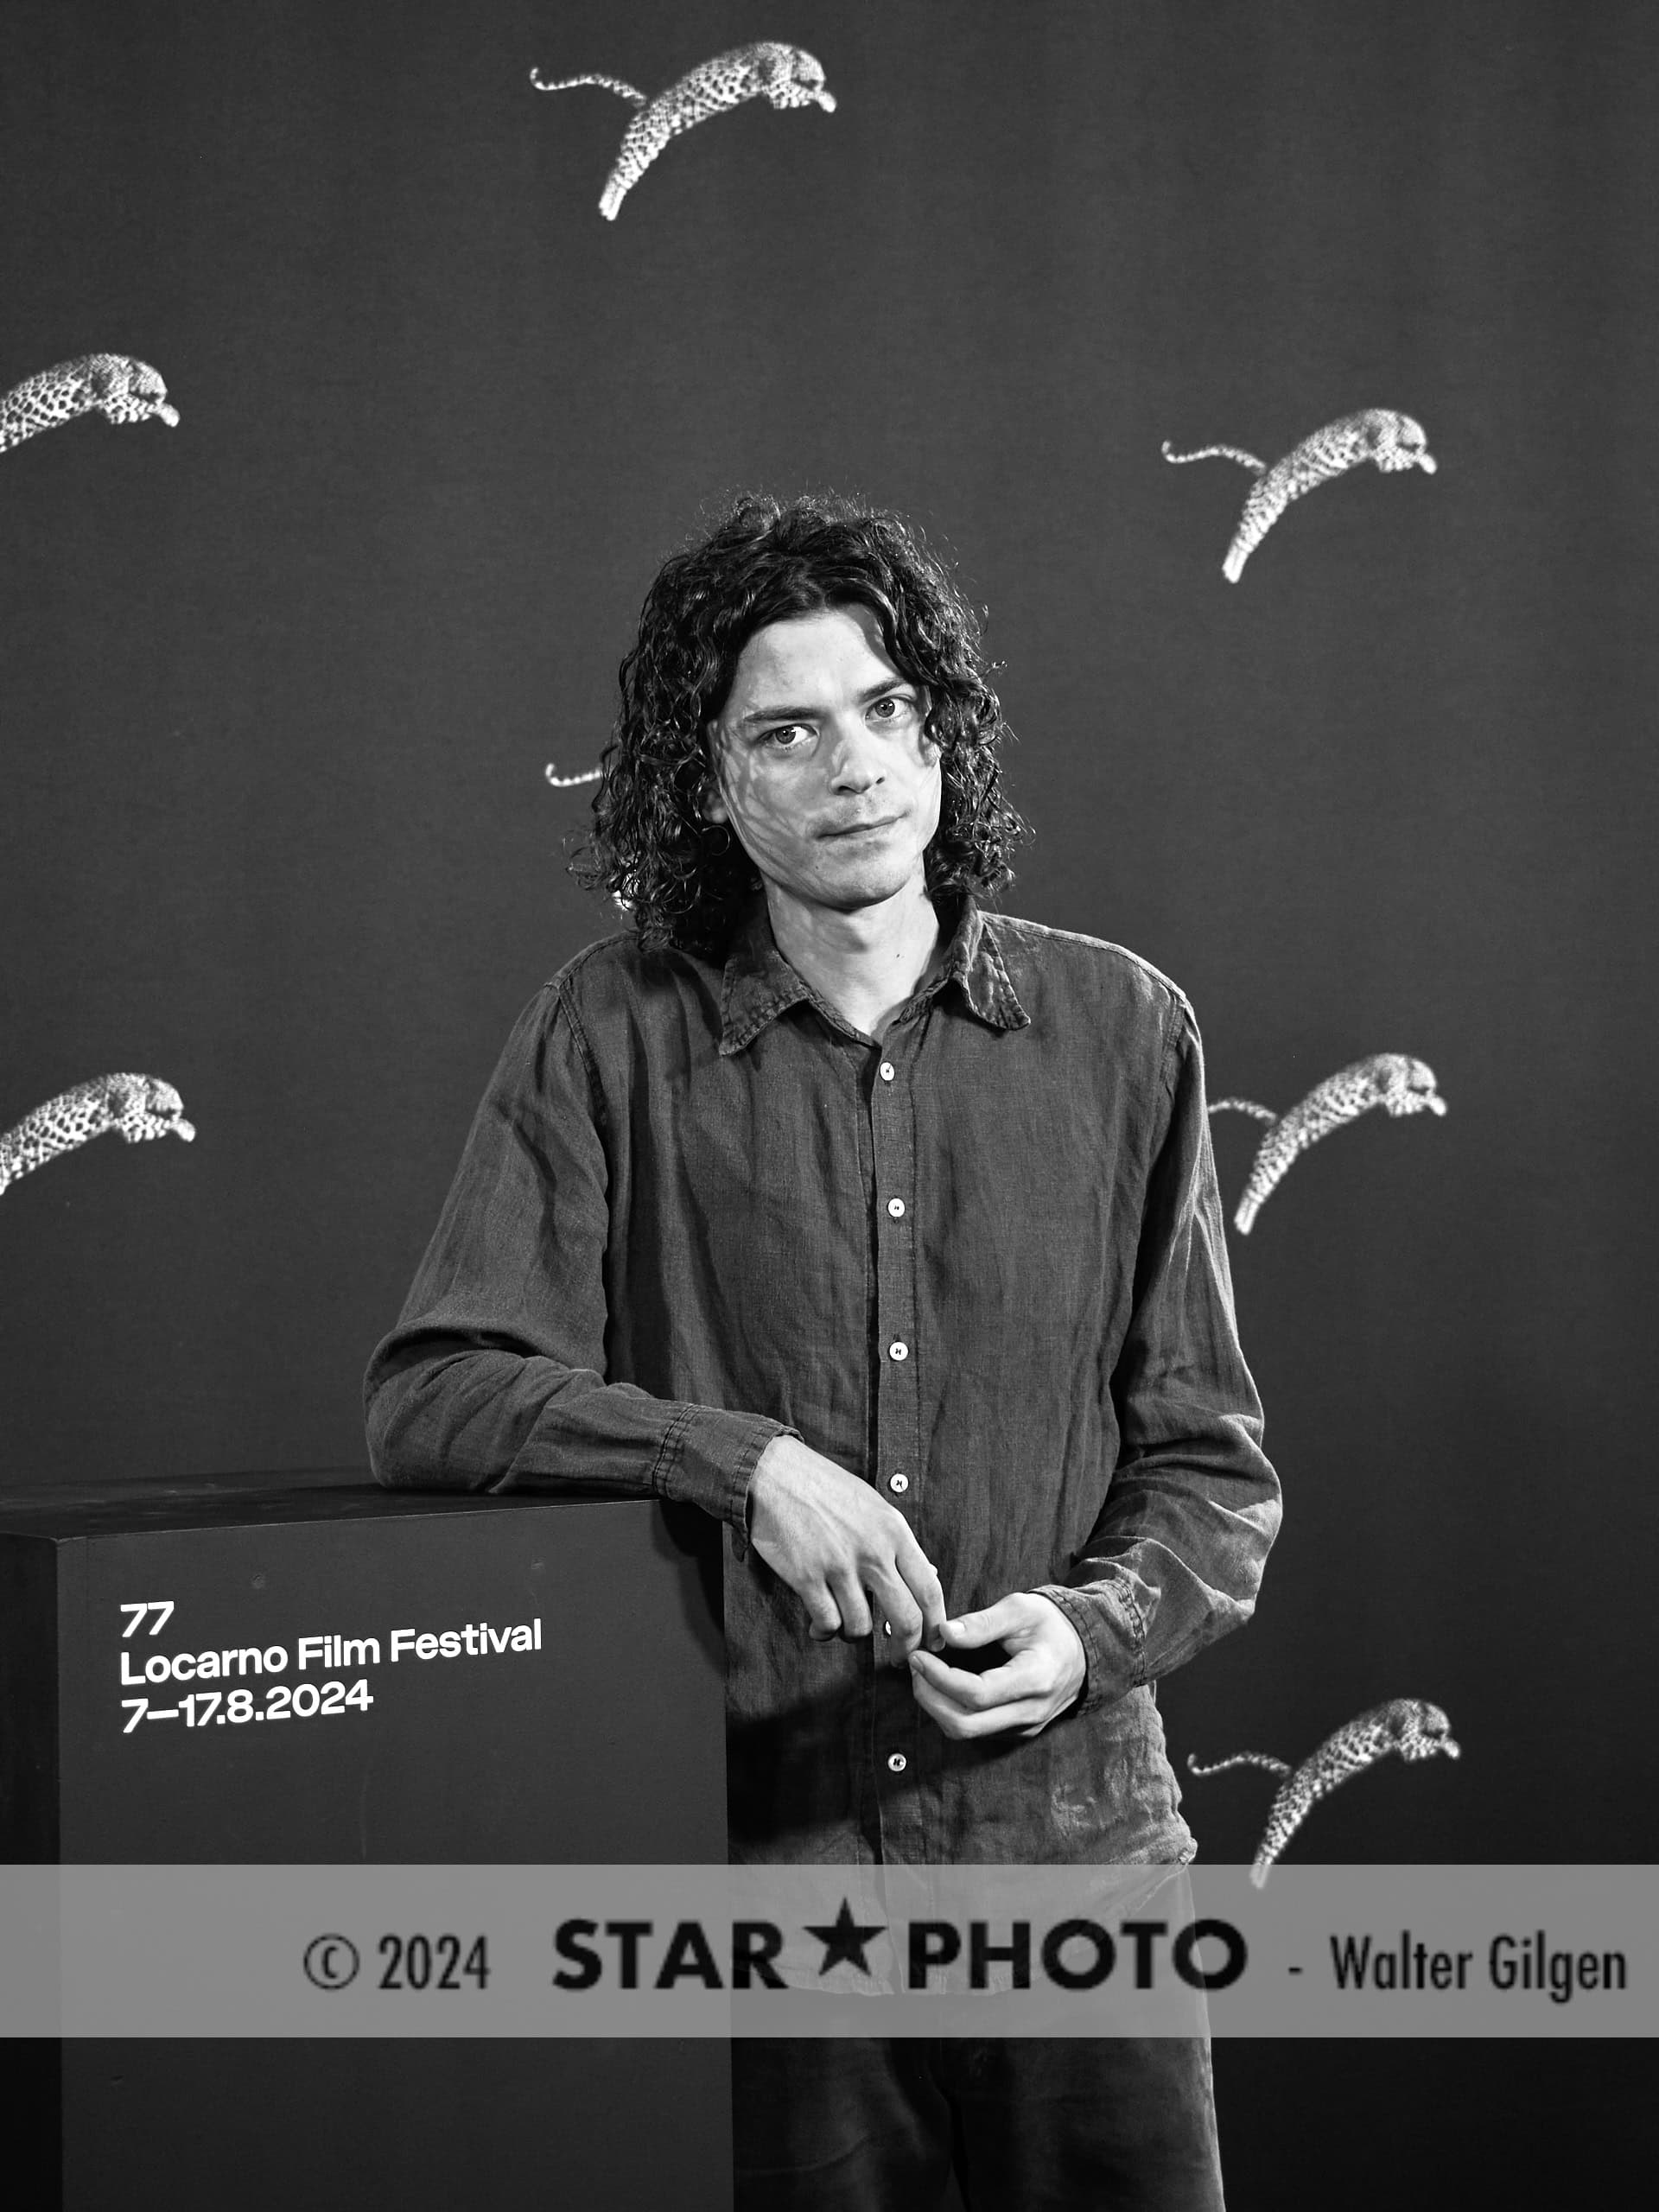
<point x="824" y="774"/>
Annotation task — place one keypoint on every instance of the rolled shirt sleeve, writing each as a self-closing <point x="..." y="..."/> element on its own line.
<point x="1175" y="1558"/>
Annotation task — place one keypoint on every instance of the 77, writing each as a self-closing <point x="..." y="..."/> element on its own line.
<point x="161" y="1607"/>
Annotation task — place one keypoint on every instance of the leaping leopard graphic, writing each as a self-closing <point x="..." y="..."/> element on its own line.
<point x="109" y="384"/>
<point x="138" y="1107"/>
<point x="1392" y="1081"/>
<point x="1406" y="1726"/>
<point x="787" y="76"/>
<point x="1393" y="441"/>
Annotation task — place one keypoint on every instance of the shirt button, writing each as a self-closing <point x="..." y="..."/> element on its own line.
<point x="898" y="1484"/>
<point x="898" y="1350"/>
<point x="896" y="1762"/>
<point x="895" y="1207"/>
<point x="888" y="1070"/>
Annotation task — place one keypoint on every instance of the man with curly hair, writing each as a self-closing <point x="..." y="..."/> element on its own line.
<point x="884" y="1228"/>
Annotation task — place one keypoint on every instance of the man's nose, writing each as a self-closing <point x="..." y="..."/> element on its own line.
<point x="855" y="759"/>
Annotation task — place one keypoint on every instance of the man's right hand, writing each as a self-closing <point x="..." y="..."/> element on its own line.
<point x="843" y="1551"/>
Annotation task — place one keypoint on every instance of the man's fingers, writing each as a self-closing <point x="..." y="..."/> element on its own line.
<point x="1021" y="1678"/>
<point x="852" y="1604"/>
<point x="1025" y="1712"/>
<point x="921" y="1578"/>
<point x="830" y="1536"/>
<point x="1045" y="1667"/>
<point x="823" y="1615"/>
<point x="991" y="1624"/>
<point x="899" y="1618"/>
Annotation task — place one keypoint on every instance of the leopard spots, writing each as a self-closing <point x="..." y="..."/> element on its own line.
<point x="1406" y="1727"/>
<point x="1392" y="1081"/>
<point x="786" y="76"/>
<point x="1393" y="441"/>
<point x="136" y="1107"/>
<point x="112" y="385"/>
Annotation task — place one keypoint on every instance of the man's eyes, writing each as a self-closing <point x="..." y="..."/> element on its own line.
<point x="797" y="737"/>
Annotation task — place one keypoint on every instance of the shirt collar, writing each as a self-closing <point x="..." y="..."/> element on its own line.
<point x="759" y="984"/>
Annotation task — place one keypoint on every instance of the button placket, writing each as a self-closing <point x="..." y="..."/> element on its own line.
<point x="892" y="1153"/>
<point x="899" y="1735"/>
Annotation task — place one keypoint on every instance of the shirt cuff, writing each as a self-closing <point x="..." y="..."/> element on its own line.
<point x="708" y="1457"/>
<point x="1114" y="1637"/>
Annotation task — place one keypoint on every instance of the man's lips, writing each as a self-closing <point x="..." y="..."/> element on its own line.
<point x="860" y="829"/>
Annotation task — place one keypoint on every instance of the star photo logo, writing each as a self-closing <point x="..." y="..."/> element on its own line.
<point x="1076" y="1954"/>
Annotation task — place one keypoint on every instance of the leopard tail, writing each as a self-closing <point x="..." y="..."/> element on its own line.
<point x="605" y="84"/>
<point x="1239" y="1758"/>
<point x="1218" y="453"/>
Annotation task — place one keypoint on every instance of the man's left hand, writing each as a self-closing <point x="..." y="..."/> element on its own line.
<point x="1039" y="1681"/>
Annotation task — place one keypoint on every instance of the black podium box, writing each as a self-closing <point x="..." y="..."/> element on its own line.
<point x="306" y="1669"/>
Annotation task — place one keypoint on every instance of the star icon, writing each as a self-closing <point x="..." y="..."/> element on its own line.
<point x="844" y="1939"/>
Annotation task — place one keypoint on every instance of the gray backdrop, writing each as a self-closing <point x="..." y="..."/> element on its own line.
<point x="278" y="688"/>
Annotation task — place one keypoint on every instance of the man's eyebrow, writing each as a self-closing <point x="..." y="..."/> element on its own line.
<point x="787" y="713"/>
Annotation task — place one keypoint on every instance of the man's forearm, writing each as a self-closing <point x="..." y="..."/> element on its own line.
<point x="1174" y="1562"/>
<point x="446" y="1415"/>
<point x="1175" y="1556"/>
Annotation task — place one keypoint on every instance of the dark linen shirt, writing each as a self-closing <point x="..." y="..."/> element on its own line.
<point x="981" y="1265"/>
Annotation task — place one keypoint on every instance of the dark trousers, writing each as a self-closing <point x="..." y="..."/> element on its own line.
<point x="1028" y="2125"/>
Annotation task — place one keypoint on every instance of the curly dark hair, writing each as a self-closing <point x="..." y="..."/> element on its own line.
<point x="684" y="878"/>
